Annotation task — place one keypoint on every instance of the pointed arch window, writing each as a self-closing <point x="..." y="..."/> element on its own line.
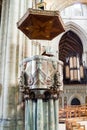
<point x="70" y="52"/>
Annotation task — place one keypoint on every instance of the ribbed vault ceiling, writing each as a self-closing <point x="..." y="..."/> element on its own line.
<point x="70" y="44"/>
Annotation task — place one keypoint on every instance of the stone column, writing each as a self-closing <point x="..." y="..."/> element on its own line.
<point x="24" y="50"/>
<point x="3" y="38"/>
<point x="40" y="119"/>
<point x="51" y="114"/>
<point x="46" y="115"/>
<point x="56" y="109"/>
<point x="9" y="58"/>
<point x="34" y="48"/>
<point x="28" y="42"/>
<point x="20" y="35"/>
<point x="34" y="112"/>
<point x="28" y="115"/>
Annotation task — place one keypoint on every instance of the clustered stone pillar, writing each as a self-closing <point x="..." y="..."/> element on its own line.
<point x="40" y="85"/>
<point x="11" y="52"/>
<point x="3" y="44"/>
<point x="24" y="50"/>
<point x="9" y="46"/>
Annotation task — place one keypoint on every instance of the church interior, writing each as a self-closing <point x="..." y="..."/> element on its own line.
<point x="43" y="64"/>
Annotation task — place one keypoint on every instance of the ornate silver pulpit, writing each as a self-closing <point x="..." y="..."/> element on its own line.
<point x="41" y="80"/>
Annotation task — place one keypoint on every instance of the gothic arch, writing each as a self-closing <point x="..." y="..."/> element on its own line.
<point x="79" y="31"/>
<point x="78" y="96"/>
<point x="75" y="101"/>
<point x="70" y="43"/>
<point x="60" y="5"/>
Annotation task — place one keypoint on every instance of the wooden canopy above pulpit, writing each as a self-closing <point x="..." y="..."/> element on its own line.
<point x="41" y="24"/>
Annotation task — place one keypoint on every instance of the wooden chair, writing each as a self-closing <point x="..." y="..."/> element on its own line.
<point x="82" y="127"/>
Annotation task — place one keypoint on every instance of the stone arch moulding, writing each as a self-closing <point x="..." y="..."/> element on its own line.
<point x="78" y="96"/>
<point x="79" y="31"/>
<point x="60" y="5"/>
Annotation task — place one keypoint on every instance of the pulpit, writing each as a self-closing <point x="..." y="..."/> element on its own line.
<point x="41" y="77"/>
<point x="41" y="80"/>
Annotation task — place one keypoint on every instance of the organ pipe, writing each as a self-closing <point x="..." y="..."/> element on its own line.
<point x="74" y="70"/>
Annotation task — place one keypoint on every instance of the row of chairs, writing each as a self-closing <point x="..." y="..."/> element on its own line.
<point x="73" y="111"/>
<point x="73" y="125"/>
